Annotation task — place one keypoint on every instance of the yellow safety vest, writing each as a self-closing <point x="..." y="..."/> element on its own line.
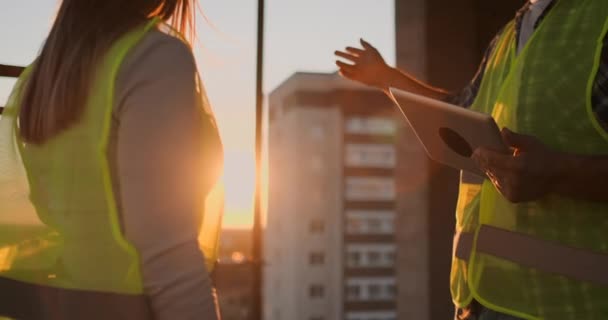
<point x="63" y="254"/>
<point x="545" y="259"/>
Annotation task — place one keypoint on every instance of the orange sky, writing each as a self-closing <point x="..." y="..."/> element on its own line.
<point x="300" y="36"/>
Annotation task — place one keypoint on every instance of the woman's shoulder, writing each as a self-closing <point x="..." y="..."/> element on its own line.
<point x="158" y="57"/>
<point x="158" y="49"/>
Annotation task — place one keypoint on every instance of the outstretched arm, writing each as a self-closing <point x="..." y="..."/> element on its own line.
<point x="367" y="66"/>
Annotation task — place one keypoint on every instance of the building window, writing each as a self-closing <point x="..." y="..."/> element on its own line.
<point x="316" y="258"/>
<point x="370" y="255"/>
<point x="370" y="189"/>
<point x="371" y="126"/>
<point x="316" y="291"/>
<point x="370" y="155"/>
<point x="371" y="315"/>
<point x="354" y="224"/>
<point x="391" y="291"/>
<point x="375" y="225"/>
<point x="373" y="258"/>
<point x="370" y="222"/>
<point x="374" y="292"/>
<point x="353" y="292"/>
<point x="353" y="259"/>
<point x="317" y="226"/>
<point x="390" y="257"/>
<point x="373" y="288"/>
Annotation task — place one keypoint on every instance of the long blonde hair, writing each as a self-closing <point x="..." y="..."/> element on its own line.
<point x="58" y="86"/>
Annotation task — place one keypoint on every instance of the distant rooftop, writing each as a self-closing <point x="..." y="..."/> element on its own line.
<point x="313" y="81"/>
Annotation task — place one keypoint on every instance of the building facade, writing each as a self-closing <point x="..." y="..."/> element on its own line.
<point x="342" y="178"/>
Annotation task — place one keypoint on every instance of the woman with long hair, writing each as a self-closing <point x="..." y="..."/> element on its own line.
<point x="109" y="158"/>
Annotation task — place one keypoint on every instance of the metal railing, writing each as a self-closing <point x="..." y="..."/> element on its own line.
<point x="257" y="255"/>
<point x="8" y="71"/>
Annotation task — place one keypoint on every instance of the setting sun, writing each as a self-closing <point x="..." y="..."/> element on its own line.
<point x="239" y="182"/>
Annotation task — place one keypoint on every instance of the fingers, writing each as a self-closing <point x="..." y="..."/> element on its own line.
<point x="346" y="56"/>
<point x="355" y="51"/>
<point x="494" y="179"/>
<point x="491" y="165"/>
<point x="345" y="67"/>
<point x="366" y="45"/>
<point x="489" y="160"/>
<point x="519" y="141"/>
<point x="517" y="178"/>
<point x="346" y="74"/>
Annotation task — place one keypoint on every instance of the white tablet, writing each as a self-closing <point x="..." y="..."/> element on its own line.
<point x="449" y="133"/>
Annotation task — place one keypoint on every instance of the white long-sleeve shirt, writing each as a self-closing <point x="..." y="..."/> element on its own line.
<point x="154" y="151"/>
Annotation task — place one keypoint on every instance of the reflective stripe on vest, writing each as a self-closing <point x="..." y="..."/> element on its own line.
<point x="543" y="255"/>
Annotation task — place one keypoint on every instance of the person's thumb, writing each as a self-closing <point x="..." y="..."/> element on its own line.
<point x="366" y="45"/>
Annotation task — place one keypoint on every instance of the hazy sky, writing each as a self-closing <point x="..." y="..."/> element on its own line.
<point x="301" y="35"/>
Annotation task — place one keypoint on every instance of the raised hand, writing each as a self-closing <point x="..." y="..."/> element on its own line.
<point x="364" y="65"/>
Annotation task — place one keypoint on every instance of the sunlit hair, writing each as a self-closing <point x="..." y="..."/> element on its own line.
<point x="57" y="89"/>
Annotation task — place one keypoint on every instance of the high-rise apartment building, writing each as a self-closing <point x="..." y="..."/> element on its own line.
<point x="343" y="178"/>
